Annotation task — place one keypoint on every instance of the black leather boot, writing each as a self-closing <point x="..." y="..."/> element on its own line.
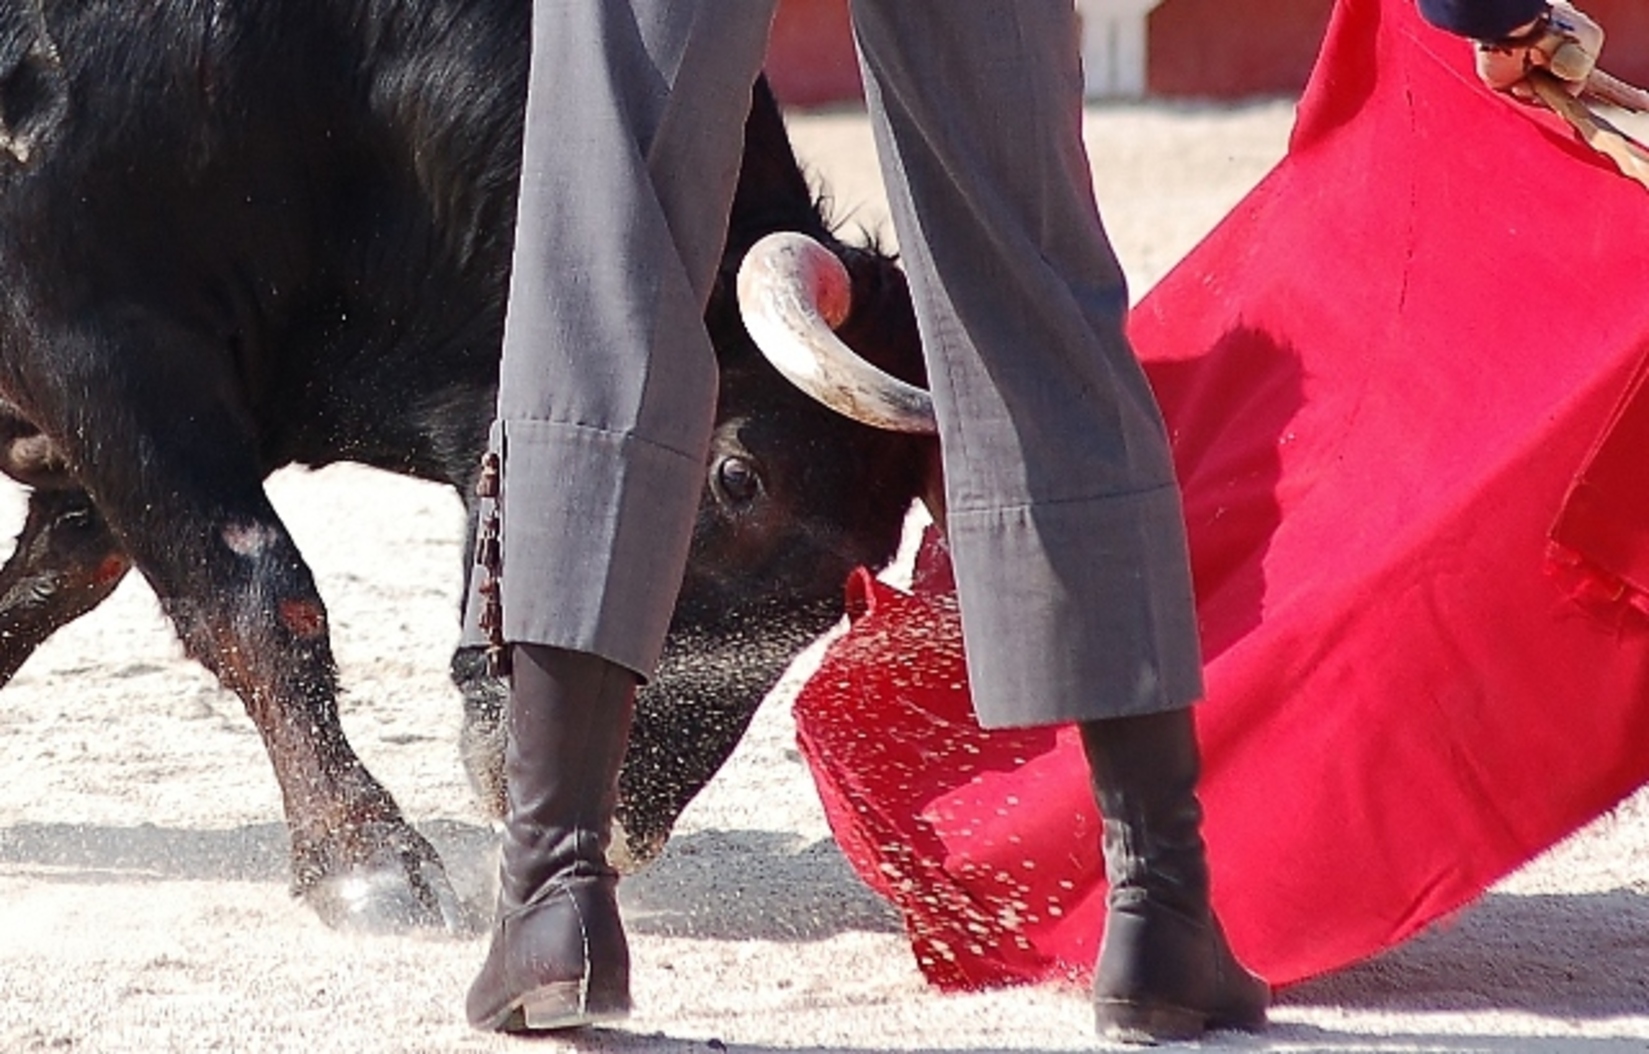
<point x="558" y="957"/>
<point x="1165" y="971"/>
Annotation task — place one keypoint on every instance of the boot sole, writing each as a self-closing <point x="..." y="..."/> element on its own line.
<point x="1149" y="1025"/>
<point x="559" y="1006"/>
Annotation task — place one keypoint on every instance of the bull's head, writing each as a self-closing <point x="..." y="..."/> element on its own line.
<point x="793" y="295"/>
<point x="796" y="300"/>
<point x="797" y="495"/>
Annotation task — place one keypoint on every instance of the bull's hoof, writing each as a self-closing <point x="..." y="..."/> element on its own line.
<point x="390" y="900"/>
<point x="378" y="877"/>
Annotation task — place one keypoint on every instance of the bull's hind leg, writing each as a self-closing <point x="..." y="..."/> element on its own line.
<point x="65" y="563"/>
<point x="178" y="480"/>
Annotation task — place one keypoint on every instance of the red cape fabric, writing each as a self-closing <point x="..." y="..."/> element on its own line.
<point x="1404" y="385"/>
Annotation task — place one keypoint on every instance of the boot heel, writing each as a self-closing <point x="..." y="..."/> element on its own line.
<point x="568" y="1004"/>
<point x="1147" y="1025"/>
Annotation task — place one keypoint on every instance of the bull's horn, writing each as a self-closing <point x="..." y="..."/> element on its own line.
<point x="792" y="292"/>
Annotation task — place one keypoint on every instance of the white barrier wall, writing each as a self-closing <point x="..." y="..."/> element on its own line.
<point x="1113" y="46"/>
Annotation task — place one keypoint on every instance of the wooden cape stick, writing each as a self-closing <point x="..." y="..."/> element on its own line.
<point x="1631" y="157"/>
<point x="1616" y="92"/>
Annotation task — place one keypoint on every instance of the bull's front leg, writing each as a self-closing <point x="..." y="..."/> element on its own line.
<point x="179" y="481"/>
<point x="65" y="563"/>
<point x="255" y="619"/>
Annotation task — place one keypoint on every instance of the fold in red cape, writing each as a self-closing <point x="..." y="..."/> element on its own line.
<point x="1403" y="381"/>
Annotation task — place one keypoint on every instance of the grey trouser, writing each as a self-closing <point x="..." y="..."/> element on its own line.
<point x="1065" y="523"/>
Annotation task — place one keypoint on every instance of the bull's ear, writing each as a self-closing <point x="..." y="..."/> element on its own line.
<point x="33" y="91"/>
<point x="772" y="194"/>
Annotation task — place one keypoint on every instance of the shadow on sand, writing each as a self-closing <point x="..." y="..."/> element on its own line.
<point x="709" y="885"/>
<point x="1583" y="955"/>
<point x="1568" y="957"/>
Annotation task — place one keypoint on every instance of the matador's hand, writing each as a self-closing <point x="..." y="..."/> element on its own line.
<point x="1563" y="40"/>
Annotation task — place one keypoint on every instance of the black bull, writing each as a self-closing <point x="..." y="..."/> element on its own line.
<point x="242" y="235"/>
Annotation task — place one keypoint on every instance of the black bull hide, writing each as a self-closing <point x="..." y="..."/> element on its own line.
<point x="244" y="235"/>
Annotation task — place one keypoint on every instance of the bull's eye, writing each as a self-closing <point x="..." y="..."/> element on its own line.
<point x="737" y="479"/>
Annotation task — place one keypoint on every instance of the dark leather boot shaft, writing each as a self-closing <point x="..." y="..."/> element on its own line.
<point x="1165" y="971"/>
<point x="568" y="724"/>
<point x="558" y="957"/>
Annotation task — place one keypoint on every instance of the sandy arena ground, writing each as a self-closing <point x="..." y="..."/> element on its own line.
<point x="143" y="901"/>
